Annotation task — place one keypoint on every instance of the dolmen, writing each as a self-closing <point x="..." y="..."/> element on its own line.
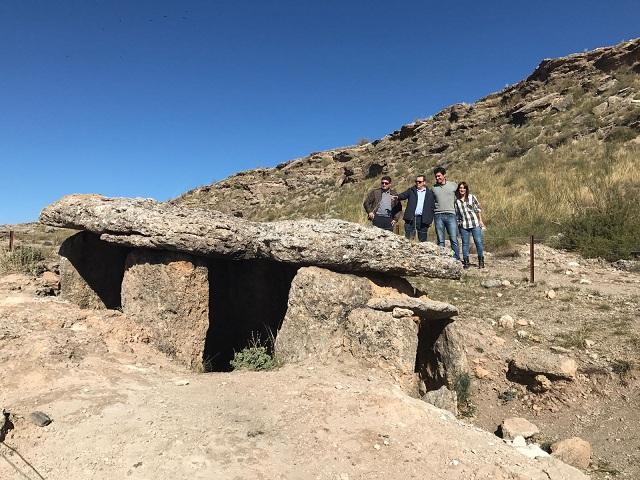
<point x="205" y="285"/>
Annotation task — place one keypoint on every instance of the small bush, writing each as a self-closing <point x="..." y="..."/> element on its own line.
<point x="254" y="357"/>
<point x="609" y="230"/>
<point x="23" y="259"/>
<point x="462" y="386"/>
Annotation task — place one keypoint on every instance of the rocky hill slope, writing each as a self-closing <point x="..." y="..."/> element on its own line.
<point x="538" y="154"/>
<point x="588" y="94"/>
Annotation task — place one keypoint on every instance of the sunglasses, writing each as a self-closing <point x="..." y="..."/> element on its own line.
<point x="419" y="181"/>
<point x="385" y="183"/>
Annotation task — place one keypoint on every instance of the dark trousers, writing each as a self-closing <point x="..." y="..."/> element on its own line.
<point x="383" y="222"/>
<point x="411" y="226"/>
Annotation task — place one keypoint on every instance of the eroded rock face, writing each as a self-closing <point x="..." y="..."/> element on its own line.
<point x="168" y="293"/>
<point x="329" y="317"/>
<point x="335" y="244"/>
<point x="91" y="271"/>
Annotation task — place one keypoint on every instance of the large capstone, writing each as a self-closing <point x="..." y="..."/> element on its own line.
<point x="335" y="244"/>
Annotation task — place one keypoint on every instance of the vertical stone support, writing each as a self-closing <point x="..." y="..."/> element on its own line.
<point x="168" y="293"/>
<point x="328" y="320"/>
<point x="91" y="271"/>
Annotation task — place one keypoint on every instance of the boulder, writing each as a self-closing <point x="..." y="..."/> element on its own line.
<point x="168" y="293"/>
<point x="442" y="398"/>
<point x="574" y="451"/>
<point x="329" y="318"/>
<point x="516" y="426"/>
<point x="533" y="361"/>
<point x="335" y="244"/>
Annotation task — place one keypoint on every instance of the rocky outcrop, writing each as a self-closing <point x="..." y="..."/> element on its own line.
<point x="335" y="244"/>
<point x="531" y="362"/>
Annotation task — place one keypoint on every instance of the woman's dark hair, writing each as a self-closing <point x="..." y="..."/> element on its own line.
<point x="466" y="190"/>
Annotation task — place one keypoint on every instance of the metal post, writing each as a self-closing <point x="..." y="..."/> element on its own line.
<point x="531" y="262"/>
<point x="11" y="240"/>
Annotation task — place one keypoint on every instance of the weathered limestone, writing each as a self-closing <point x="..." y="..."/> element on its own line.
<point x="168" y="293"/>
<point x="91" y="271"/>
<point x="335" y="244"/>
<point x="329" y="318"/>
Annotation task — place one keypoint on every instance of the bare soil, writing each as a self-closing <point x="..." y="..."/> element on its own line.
<point x="121" y="409"/>
<point x="594" y="319"/>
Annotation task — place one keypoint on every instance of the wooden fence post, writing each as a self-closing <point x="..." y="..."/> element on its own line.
<point x="531" y="261"/>
<point x="11" y="240"/>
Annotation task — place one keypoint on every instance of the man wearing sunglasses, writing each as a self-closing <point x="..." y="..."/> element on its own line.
<point x="382" y="205"/>
<point x="418" y="215"/>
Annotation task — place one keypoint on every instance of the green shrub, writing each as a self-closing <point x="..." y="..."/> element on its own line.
<point x="610" y="230"/>
<point x="23" y="259"/>
<point x="462" y="386"/>
<point x="254" y="357"/>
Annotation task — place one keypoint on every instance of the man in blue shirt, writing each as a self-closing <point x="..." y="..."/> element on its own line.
<point x="419" y="212"/>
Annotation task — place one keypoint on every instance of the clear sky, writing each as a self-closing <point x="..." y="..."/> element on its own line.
<point x="153" y="98"/>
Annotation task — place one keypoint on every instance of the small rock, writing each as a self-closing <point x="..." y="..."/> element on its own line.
<point x="514" y="427"/>
<point x="442" y="398"/>
<point x="522" y="334"/>
<point x="541" y="384"/>
<point x="551" y="294"/>
<point x="506" y="321"/>
<point x="376" y="446"/>
<point x="519" y="441"/>
<point x="573" y="264"/>
<point x="585" y="281"/>
<point x="589" y="343"/>
<point x="399" y="312"/>
<point x="506" y="283"/>
<point x="522" y="323"/>
<point x="491" y="283"/>
<point x="481" y="372"/>
<point x="181" y="383"/>
<point x="574" y="451"/>
<point x="40" y="419"/>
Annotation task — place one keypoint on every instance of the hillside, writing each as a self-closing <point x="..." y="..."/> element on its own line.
<point x="556" y="152"/>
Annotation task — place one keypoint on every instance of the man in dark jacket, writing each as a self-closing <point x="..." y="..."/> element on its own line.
<point x="418" y="215"/>
<point x="382" y="205"/>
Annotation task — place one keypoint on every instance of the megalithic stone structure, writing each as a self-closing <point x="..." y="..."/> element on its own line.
<point x="333" y="244"/>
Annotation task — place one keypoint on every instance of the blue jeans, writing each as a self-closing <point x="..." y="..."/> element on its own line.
<point x="476" y="232"/>
<point x="449" y="222"/>
<point x="411" y="225"/>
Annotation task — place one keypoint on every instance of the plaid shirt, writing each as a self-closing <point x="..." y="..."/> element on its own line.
<point x="467" y="212"/>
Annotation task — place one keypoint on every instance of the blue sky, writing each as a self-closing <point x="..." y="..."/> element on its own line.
<point x="153" y="98"/>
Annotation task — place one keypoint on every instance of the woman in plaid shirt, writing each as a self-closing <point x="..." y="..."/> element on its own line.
<point x="469" y="216"/>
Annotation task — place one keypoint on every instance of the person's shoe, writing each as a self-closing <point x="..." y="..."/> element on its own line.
<point x="480" y="262"/>
<point x="465" y="263"/>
